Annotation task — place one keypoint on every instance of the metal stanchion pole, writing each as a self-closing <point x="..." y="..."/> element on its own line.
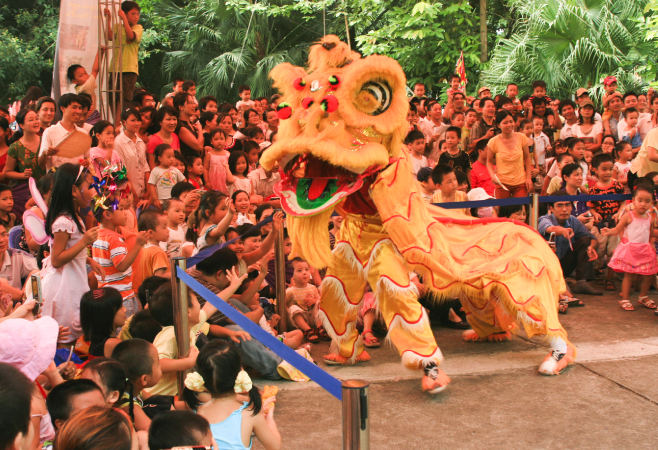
<point x="356" y="429"/>
<point x="280" y="272"/>
<point x="534" y="218"/>
<point x="181" y="326"/>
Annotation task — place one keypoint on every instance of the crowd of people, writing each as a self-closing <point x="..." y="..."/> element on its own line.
<point x="93" y="364"/>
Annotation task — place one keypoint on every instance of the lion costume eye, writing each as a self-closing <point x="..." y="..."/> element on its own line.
<point x="374" y="98"/>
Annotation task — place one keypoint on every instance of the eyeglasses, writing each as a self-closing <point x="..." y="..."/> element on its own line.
<point x="193" y="447"/>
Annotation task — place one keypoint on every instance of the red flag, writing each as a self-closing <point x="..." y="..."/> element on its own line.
<point x="460" y="69"/>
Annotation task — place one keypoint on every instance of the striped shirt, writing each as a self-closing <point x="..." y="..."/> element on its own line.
<point x="108" y="251"/>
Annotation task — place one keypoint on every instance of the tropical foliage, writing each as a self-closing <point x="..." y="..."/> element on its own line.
<point x="571" y="44"/>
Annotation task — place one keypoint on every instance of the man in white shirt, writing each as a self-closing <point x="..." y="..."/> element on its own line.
<point x="263" y="182"/>
<point x="71" y="107"/>
<point x="568" y="111"/>
<point x="644" y="124"/>
<point x="433" y="127"/>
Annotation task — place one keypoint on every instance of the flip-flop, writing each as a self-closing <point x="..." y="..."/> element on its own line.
<point x="610" y="285"/>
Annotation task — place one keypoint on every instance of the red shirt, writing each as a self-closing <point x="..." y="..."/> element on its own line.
<point x="480" y="178"/>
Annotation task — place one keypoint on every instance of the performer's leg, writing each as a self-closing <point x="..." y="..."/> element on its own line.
<point x="408" y="325"/>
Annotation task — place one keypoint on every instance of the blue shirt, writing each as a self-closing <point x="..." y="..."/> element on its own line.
<point x="562" y="246"/>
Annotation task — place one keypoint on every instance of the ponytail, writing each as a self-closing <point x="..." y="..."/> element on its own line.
<point x="255" y="400"/>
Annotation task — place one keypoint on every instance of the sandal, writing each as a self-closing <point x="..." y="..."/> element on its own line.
<point x="311" y="336"/>
<point x="647" y="302"/>
<point x="369" y="339"/>
<point x="563" y="307"/>
<point x="322" y="334"/>
<point x="626" y="305"/>
<point x="573" y="301"/>
<point x="610" y="285"/>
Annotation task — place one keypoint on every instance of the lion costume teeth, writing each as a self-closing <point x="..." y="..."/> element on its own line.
<point x="348" y="156"/>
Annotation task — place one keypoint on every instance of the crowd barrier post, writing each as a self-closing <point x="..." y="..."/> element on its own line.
<point x="280" y="273"/>
<point x="181" y="325"/>
<point x="534" y="211"/>
<point x="356" y="427"/>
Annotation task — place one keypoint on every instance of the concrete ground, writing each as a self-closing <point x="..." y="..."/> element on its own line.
<point x="608" y="400"/>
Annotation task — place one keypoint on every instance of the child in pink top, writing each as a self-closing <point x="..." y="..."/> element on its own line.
<point x="216" y="172"/>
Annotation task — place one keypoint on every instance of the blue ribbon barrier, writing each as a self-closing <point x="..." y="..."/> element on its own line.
<point x="528" y="200"/>
<point x="325" y="380"/>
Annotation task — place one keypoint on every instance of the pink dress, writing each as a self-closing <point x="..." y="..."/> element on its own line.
<point x="635" y="254"/>
<point x="217" y="173"/>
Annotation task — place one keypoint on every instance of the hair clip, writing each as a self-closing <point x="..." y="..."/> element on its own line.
<point x="98" y="293"/>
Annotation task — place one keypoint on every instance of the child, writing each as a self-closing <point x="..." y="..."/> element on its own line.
<point x="610" y="86"/>
<point x="109" y="375"/>
<point x="238" y="167"/>
<point x="215" y="164"/>
<point x="576" y="149"/>
<point x="189" y="87"/>
<point x="415" y="141"/>
<point x="176" y="244"/>
<point x="185" y="192"/>
<point x="7" y="218"/>
<point x="242" y="208"/>
<point x="252" y="149"/>
<point x="635" y="254"/>
<point x="86" y="83"/>
<point x="480" y="176"/>
<point x="101" y="313"/>
<point x="453" y="157"/>
<point x="232" y="422"/>
<point x="70" y="397"/>
<point x="211" y="219"/>
<point x="630" y="132"/>
<point x="455" y="82"/>
<point x="153" y="260"/>
<point x="462" y="182"/>
<point x="605" y="210"/>
<point x="542" y="143"/>
<point x="445" y="179"/>
<point x="470" y="119"/>
<point x="245" y="102"/>
<point x="66" y="280"/>
<point x="303" y="301"/>
<point x="427" y="186"/>
<point x="556" y="182"/>
<point x="161" y="307"/>
<point x="623" y="154"/>
<point x="112" y="254"/>
<point x="195" y="171"/>
<point x="164" y="176"/>
<point x="511" y="91"/>
<point x="179" y="162"/>
<point x="180" y="429"/>
<point x="142" y="364"/>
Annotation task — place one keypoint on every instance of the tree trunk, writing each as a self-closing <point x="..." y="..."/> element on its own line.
<point x="483" y="31"/>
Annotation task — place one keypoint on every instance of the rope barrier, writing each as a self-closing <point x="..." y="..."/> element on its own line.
<point x="527" y="200"/>
<point x="315" y="373"/>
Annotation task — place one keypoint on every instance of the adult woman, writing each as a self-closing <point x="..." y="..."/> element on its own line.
<point x="233" y="112"/>
<point x="5" y="134"/>
<point x="23" y="160"/>
<point x="189" y="129"/>
<point x="588" y="129"/>
<point x="251" y="118"/>
<point x="147" y="114"/>
<point x="167" y="120"/>
<point x="654" y="116"/>
<point x="225" y="123"/>
<point x="45" y="109"/>
<point x="271" y="119"/>
<point x="132" y="150"/>
<point x="513" y="165"/>
<point x="608" y="143"/>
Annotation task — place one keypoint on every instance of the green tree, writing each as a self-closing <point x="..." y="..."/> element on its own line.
<point x="571" y="44"/>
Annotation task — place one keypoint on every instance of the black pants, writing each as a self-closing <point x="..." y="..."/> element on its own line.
<point x="578" y="260"/>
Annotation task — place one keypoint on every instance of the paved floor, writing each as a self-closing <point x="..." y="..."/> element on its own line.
<point x="608" y="400"/>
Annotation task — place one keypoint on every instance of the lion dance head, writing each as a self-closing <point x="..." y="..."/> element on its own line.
<point x="343" y="119"/>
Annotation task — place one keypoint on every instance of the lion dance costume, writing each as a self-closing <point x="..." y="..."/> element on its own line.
<point x="341" y="148"/>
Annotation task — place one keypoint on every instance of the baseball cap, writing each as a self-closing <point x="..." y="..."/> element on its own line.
<point x="477" y="194"/>
<point x="424" y="174"/>
<point x="482" y="89"/>
<point x="587" y="102"/>
<point x="581" y="91"/>
<point x="29" y="346"/>
<point x="609" y="80"/>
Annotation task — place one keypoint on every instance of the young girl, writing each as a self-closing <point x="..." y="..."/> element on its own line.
<point x="65" y="281"/>
<point x="163" y="177"/>
<point x="211" y="392"/>
<point x="101" y="313"/>
<point x="242" y="206"/>
<point x="167" y="119"/>
<point x="635" y="253"/>
<point x="195" y="171"/>
<point x="237" y="164"/>
<point x="252" y="149"/>
<point x="102" y="152"/>
<point x="179" y="163"/>
<point x="215" y="164"/>
<point x="211" y="219"/>
<point x="7" y="218"/>
<point x="623" y="154"/>
<point x="109" y="375"/>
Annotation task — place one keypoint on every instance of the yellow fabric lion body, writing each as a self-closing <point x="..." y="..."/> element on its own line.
<point x="345" y="153"/>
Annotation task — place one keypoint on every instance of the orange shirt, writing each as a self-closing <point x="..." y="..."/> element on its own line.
<point x="510" y="164"/>
<point x="152" y="259"/>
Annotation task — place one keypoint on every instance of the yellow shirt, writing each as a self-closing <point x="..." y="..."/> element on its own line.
<point x="130" y="50"/>
<point x="165" y="342"/>
<point x="642" y="165"/>
<point x="510" y="164"/>
<point x="459" y="197"/>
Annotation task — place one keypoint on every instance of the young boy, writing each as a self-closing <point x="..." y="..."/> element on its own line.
<point x="303" y="302"/>
<point x="419" y="90"/>
<point x="427" y="186"/>
<point x="176" y="244"/>
<point x="153" y="260"/>
<point x="110" y="252"/>
<point x="445" y="179"/>
<point x="86" y="83"/>
<point x="188" y="194"/>
<point x="556" y="182"/>
<point x="142" y="363"/>
<point x="189" y="87"/>
<point x="454" y="85"/>
<point x="511" y="91"/>
<point x="458" y="120"/>
<point x="161" y="307"/>
<point x="610" y="86"/>
<point x="416" y="143"/>
<point x="245" y="102"/>
<point x="480" y="176"/>
<point x="7" y="218"/>
<point x="454" y="157"/>
<point x="470" y="119"/>
<point x="131" y="37"/>
<point x="630" y="132"/>
<point x="542" y="143"/>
